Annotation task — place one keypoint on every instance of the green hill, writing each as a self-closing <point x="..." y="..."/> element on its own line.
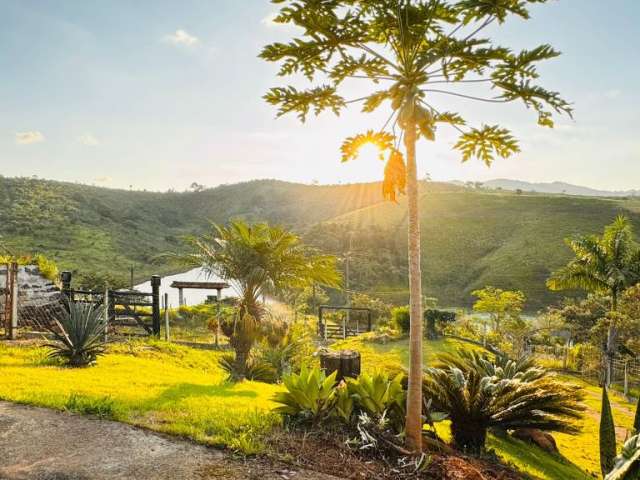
<point x="470" y="238"/>
<point x="87" y="228"/>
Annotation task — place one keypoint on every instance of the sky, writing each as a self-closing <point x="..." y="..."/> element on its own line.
<point x="157" y="94"/>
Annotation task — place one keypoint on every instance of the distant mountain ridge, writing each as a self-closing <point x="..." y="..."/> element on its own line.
<point x="557" y="188"/>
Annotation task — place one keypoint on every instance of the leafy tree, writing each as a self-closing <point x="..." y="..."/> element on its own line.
<point x="435" y="319"/>
<point x="258" y="260"/>
<point x="414" y="52"/>
<point x="607" y="264"/>
<point x="607" y="435"/>
<point x="499" y="304"/>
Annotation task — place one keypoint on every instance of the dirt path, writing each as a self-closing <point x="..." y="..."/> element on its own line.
<point x="42" y="444"/>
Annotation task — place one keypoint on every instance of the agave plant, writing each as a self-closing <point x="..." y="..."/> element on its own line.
<point x="627" y="464"/>
<point x="310" y="395"/>
<point x="78" y="334"/>
<point x="478" y="396"/>
<point x="378" y="396"/>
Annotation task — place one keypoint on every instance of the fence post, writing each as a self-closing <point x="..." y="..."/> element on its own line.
<point x="106" y="314"/>
<point x="65" y="278"/>
<point x="155" y="299"/>
<point x="626" y="380"/>
<point x="13" y="325"/>
<point x="166" y="317"/>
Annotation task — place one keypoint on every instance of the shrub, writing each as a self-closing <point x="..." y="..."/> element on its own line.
<point x="435" y="321"/>
<point x="607" y="435"/>
<point x="254" y="369"/>
<point x="79" y="334"/>
<point x="378" y="395"/>
<point x="401" y="318"/>
<point x="627" y="464"/>
<point x="478" y="394"/>
<point x="310" y="396"/>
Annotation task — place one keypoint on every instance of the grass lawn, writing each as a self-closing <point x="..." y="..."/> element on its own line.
<point x="581" y="452"/>
<point x="182" y="391"/>
<point x="160" y="386"/>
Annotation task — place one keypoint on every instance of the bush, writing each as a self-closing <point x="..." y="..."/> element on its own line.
<point x="79" y="334"/>
<point x="255" y="369"/>
<point x="401" y="318"/>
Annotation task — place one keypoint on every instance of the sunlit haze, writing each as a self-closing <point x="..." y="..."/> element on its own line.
<point x="160" y="94"/>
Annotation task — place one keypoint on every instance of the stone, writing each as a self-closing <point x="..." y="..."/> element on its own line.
<point x="542" y="439"/>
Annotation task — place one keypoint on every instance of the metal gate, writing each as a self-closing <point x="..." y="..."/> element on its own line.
<point x="126" y="308"/>
<point x="9" y="293"/>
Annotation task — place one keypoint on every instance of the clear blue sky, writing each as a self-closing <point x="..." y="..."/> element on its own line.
<point x="159" y="93"/>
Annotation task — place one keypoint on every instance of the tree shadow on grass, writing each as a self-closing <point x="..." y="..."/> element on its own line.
<point x="182" y="391"/>
<point x="524" y="455"/>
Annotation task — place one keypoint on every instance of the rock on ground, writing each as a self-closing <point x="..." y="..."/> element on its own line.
<point x="41" y="444"/>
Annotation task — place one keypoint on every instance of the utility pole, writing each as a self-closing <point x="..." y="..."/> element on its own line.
<point x="131" y="283"/>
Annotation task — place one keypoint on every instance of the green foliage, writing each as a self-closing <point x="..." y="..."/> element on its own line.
<point x="405" y="50"/>
<point x="498" y="303"/>
<point x="259" y="260"/>
<point x="607" y="435"/>
<point x="627" y="464"/>
<point x="436" y="320"/>
<point x="379" y="395"/>
<point x="401" y="318"/>
<point x="607" y="264"/>
<point x="79" y="334"/>
<point x="103" y="407"/>
<point x="99" y="280"/>
<point x="309" y="397"/>
<point x="479" y="394"/>
<point x="255" y="369"/>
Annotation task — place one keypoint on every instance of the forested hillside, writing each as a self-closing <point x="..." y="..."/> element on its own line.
<point x="471" y="238"/>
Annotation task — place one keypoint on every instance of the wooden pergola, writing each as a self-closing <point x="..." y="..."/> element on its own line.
<point x="217" y="286"/>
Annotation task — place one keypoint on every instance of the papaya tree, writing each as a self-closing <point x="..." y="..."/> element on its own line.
<point x="411" y="55"/>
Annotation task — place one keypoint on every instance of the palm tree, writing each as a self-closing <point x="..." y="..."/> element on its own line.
<point x="258" y="260"/>
<point x="415" y="52"/>
<point x="608" y="265"/>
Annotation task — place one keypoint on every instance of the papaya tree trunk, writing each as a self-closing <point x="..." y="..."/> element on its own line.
<point x="413" y="426"/>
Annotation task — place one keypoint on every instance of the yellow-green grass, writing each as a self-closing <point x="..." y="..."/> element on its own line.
<point x="160" y="386"/>
<point x="182" y="391"/>
<point x="395" y="354"/>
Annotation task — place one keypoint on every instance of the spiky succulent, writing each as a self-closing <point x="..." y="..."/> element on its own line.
<point x="78" y="333"/>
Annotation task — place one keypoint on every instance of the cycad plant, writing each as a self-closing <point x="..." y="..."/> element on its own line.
<point x="258" y="260"/>
<point x="78" y="333"/>
<point x="477" y="400"/>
